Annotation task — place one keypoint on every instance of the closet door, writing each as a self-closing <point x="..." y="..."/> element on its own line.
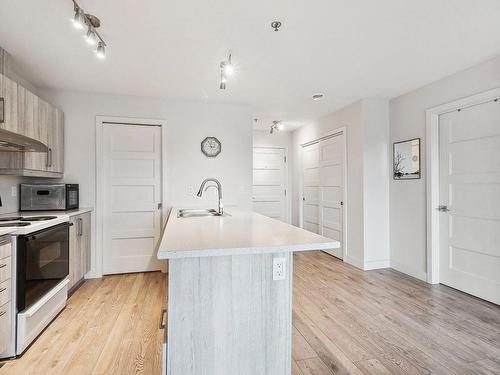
<point x="310" y="188"/>
<point x="331" y="164"/>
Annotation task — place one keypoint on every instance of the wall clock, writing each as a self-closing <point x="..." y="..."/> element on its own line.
<point x="211" y="147"/>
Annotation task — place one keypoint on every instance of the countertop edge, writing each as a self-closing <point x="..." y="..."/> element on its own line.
<point x="199" y="253"/>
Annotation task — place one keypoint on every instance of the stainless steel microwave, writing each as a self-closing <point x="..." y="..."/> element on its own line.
<point x="48" y="197"/>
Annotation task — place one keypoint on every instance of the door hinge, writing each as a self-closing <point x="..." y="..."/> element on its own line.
<point x="285" y="192"/>
<point x="284" y="159"/>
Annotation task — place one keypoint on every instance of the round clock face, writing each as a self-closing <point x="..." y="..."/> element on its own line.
<point x="211" y="147"/>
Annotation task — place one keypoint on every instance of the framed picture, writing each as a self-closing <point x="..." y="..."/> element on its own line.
<point x="406" y="160"/>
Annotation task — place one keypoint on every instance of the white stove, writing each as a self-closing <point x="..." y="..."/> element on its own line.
<point x="40" y="265"/>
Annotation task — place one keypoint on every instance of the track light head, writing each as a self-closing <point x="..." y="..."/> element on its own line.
<point x="100" y="51"/>
<point x="79" y="19"/>
<point x="90" y="37"/>
<point x="222" y="85"/>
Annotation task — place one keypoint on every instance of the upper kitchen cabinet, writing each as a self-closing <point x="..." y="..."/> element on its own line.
<point x="8" y="91"/>
<point x="28" y="115"/>
<point x="55" y="155"/>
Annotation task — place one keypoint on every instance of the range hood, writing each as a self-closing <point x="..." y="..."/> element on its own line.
<point x="14" y="142"/>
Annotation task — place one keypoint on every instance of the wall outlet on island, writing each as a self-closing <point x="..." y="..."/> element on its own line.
<point x="279" y="268"/>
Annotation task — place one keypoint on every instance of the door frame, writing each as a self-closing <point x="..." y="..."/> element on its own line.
<point x="97" y="258"/>
<point x="432" y="172"/>
<point x="288" y="199"/>
<point x="332" y="133"/>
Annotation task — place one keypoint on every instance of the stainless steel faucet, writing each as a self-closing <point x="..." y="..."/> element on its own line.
<point x="218" y="186"/>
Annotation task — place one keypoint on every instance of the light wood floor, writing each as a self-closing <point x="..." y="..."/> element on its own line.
<point x="346" y="321"/>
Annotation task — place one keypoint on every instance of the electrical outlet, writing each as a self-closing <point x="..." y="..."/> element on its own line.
<point x="13" y="191"/>
<point x="279" y="268"/>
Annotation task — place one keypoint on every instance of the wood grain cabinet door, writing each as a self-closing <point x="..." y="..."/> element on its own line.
<point x="74" y="251"/>
<point x="39" y="111"/>
<point x="9" y="93"/>
<point x="85" y="240"/>
<point x="56" y="142"/>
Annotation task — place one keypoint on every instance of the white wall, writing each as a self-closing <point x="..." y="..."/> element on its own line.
<point x="188" y="123"/>
<point x="376" y="174"/>
<point x="408" y="198"/>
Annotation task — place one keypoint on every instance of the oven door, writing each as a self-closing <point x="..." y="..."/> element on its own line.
<point x="42" y="262"/>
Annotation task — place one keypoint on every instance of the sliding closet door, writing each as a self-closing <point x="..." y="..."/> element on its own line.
<point x="310" y="188"/>
<point x="331" y="162"/>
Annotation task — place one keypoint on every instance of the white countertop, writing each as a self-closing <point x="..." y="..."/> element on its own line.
<point x="61" y="217"/>
<point x="242" y="232"/>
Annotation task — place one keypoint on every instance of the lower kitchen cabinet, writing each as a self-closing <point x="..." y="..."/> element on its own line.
<point x="79" y="248"/>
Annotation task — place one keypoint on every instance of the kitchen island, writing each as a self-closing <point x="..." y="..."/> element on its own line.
<point x="230" y="292"/>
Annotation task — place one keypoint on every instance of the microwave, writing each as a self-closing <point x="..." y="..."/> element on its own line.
<point x="49" y="197"/>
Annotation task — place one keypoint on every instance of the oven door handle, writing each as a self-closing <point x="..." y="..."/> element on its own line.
<point x="45" y="232"/>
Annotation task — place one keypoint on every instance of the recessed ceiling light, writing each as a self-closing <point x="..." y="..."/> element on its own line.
<point x="318" y="96"/>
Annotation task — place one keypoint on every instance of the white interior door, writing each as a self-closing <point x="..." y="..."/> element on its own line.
<point x="270" y="182"/>
<point x="331" y="162"/>
<point x="470" y="188"/>
<point x="310" y="188"/>
<point x="132" y="197"/>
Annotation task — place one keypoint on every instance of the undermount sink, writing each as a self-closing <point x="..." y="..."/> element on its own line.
<point x="194" y="212"/>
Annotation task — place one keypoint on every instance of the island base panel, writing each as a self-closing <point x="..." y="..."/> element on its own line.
<point x="227" y="316"/>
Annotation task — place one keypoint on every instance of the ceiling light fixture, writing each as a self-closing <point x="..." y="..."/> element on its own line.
<point x="276" y="126"/>
<point x="317" y="97"/>
<point x="92" y="37"/>
<point x="276" y="25"/>
<point x="226" y="68"/>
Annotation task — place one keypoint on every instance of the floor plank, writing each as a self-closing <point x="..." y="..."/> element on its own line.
<point x="345" y="321"/>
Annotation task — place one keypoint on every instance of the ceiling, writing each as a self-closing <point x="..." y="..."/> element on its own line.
<point x="347" y="49"/>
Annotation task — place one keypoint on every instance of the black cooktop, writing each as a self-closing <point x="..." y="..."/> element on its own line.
<point x="37" y="218"/>
<point x="10" y="218"/>
<point x="14" y="224"/>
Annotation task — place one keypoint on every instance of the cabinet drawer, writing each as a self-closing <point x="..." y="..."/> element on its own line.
<point x="5" y="248"/>
<point x="5" y="291"/>
<point x="5" y="269"/>
<point x="5" y="326"/>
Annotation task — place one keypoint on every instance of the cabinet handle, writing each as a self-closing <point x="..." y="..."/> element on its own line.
<point x="3" y="313"/>
<point x="80" y="226"/>
<point x="3" y="290"/>
<point x="50" y="157"/>
<point x="3" y="265"/>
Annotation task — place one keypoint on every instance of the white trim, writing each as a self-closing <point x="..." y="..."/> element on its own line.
<point x="329" y="134"/>
<point x="288" y="182"/>
<point x="97" y="259"/>
<point x="358" y="263"/>
<point x="432" y="170"/>
<point x="376" y="264"/>
<point x="409" y="271"/>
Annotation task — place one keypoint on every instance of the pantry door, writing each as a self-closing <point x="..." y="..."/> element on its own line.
<point x="269" y="193"/>
<point x="470" y="200"/>
<point x="331" y="191"/>
<point x="132" y="197"/>
<point x="310" y="187"/>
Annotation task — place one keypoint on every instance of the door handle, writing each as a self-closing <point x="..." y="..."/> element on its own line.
<point x="443" y="209"/>
<point x="160" y="205"/>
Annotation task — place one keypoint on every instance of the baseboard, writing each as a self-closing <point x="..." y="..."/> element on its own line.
<point x="354" y="262"/>
<point x="376" y="264"/>
<point x="409" y="271"/>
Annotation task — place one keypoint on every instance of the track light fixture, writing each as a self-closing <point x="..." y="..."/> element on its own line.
<point x="275" y="126"/>
<point x="92" y="37"/>
<point x="226" y="69"/>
